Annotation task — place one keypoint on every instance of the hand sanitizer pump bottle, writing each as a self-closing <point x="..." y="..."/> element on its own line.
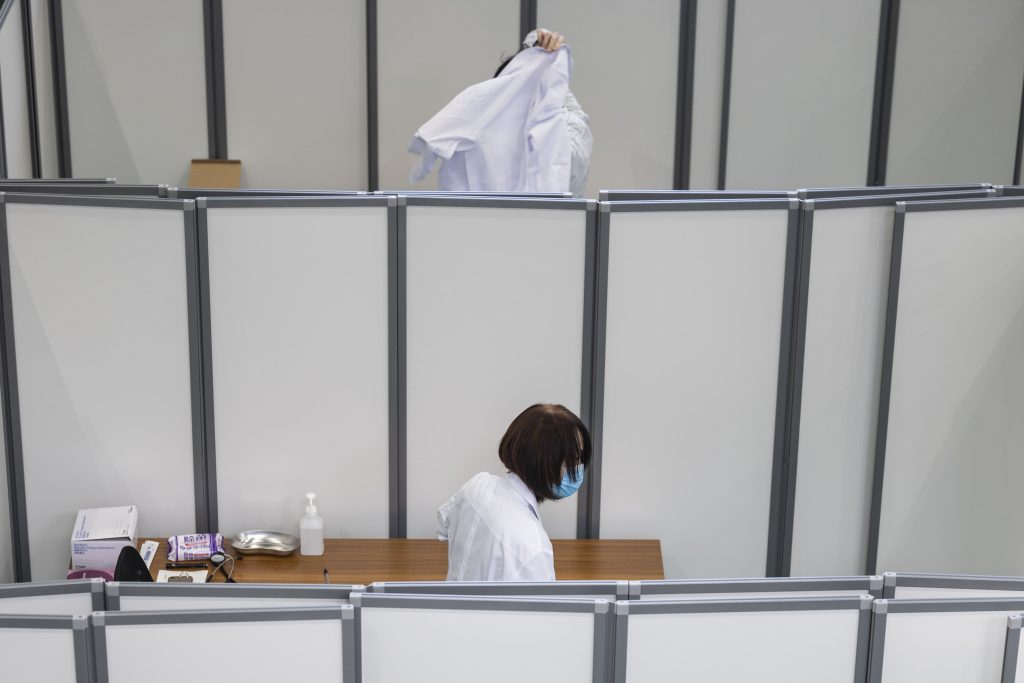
<point x="311" y="530"/>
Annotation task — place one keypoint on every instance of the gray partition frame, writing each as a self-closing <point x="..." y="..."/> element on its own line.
<point x="624" y="609"/>
<point x="836" y="192"/>
<point x="882" y="608"/>
<point x="344" y="613"/>
<point x="5" y="9"/>
<point x="1012" y="649"/>
<point x="902" y="208"/>
<point x="589" y="491"/>
<point x="85" y="189"/>
<point x="601" y="609"/>
<point x="1011" y="190"/>
<point x="868" y="585"/>
<point x="495" y="195"/>
<point x="780" y="464"/>
<point x="670" y="195"/>
<point x="615" y="590"/>
<point x="856" y="199"/>
<point x="30" y="85"/>
<point x="79" y="626"/>
<point x="59" y="181"/>
<point x="212" y="192"/>
<point x="216" y="114"/>
<point x="881" y="108"/>
<point x="893" y="580"/>
<point x="115" y="590"/>
<point x="26" y="590"/>
<point x="12" y="413"/>
<point x="396" y="464"/>
<point x="60" y="88"/>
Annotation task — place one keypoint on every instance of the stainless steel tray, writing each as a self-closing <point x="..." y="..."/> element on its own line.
<point x="264" y="543"/>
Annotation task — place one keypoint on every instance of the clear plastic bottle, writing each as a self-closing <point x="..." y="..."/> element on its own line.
<point x="311" y="530"/>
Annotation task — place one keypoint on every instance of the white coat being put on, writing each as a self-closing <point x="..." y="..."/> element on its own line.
<point x="508" y="134"/>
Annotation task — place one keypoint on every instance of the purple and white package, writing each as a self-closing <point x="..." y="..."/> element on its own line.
<point x="194" y="547"/>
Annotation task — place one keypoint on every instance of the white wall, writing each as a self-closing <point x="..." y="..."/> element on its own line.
<point x="627" y="86"/>
<point x="427" y="53"/>
<point x="957" y="91"/>
<point x="708" y="71"/>
<point x="803" y="76"/>
<point x="140" y="119"/>
<point x="301" y="123"/>
<point x="17" y="141"/>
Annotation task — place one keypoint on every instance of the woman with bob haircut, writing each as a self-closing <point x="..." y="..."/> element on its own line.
<point x="492" y="524"/>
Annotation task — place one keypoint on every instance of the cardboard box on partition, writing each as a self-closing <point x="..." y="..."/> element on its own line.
<point x="215" y="173"/>
<point x="99" y="535"/>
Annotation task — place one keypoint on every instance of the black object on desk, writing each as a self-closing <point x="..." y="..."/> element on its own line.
<point x="131" y="567"/>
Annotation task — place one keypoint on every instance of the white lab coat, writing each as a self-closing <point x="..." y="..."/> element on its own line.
<point x="507" y="134"/>
<point x="494" y="532"/>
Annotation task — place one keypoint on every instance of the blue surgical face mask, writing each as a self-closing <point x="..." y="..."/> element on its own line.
<point x="568" y="487"/>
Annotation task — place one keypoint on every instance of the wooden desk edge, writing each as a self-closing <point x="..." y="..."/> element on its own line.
<point x="363" y="561"/>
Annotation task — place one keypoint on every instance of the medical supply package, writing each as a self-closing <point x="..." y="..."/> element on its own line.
<point x="194" y="547"/>
<point x="99" y="535"/>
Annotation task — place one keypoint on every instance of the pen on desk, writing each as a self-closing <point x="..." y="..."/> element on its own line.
<point x="327" y="578"/>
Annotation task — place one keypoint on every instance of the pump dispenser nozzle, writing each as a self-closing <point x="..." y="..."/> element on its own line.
<point x="310" y="507"/>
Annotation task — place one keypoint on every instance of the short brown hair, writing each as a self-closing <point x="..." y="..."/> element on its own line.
<point x="541" y="442"/>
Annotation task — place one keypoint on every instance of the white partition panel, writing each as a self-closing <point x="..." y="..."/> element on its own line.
<point x="298" y="292"/>
<point x="295" y="88"/>
<point x="314" y="644"/>
<point x="956" y="91"/>
<point x="140" y="119"/>
<point x="1013" y="660"/>
<point x="783" y="135"/>
<point x="17" y="143"/>
<point x="631" y="101"/>
<point x="406" y="638"/>
<point x="51" y="649"/>
<point x="427" y="53"/>
<point x="41" y="56"/>
<point x="695" y="305"/>
<point x="495" y="323"/>
<point x="102" y="335"/>
<point x="845" y="282"/>
<point x="151" y="597"/>
<point x="949" y="465"/>
<point x="70" y="598"/>
<point x="945" y="641"/>
<point x="803" y="640"/>
<point x="842" y="368"/>
<point x="902" y="586"/>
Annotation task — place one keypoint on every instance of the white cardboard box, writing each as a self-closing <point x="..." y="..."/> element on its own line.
<point x="99" y="535"/>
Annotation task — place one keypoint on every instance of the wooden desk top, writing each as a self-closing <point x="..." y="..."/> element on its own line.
<point x="357" y="561"/>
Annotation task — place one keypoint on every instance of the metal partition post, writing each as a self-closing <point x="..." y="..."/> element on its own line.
<point x="885" y="70"/>
<point x="723" y="133"/>
<point x="587" y="404"/>
<point x="30" y="81"/>
<point x="60" y="89"/>
<point x="398" y="450"/>
<point x="216" y="106"/>
<point x="684" y="93"/>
